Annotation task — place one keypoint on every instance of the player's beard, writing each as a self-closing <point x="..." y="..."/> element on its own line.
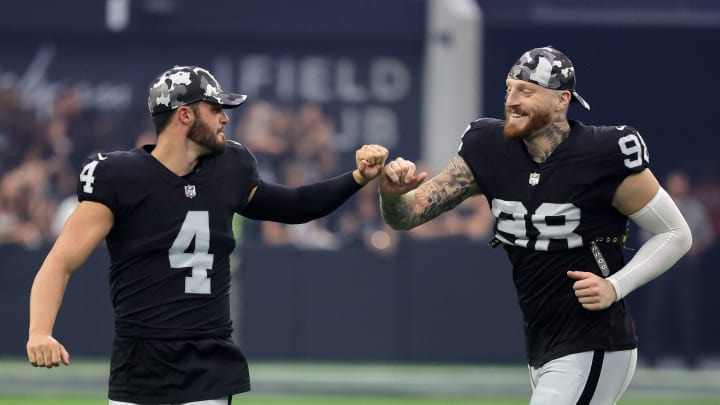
<point x="201" y="134"/>
<point x="536" y="121"/>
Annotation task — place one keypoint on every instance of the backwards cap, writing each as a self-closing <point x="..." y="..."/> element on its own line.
<point x="549" y="68"/>
<point x="183" y="85"/>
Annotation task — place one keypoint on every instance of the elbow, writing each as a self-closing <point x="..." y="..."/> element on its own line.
<point x="397" y="225"/>
<point x="400" y="226"/>
<point x="685" y="239"/>
<point x="300" y="219"/>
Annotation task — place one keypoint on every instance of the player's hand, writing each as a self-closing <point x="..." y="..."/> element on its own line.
<point x="45" y="351"/>
<point x="399" y="177"/>
<point x="593" y="292"/>
<point x="370" y="160"/>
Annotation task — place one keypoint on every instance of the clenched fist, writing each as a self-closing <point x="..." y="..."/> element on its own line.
<point x="399" y="177"/>
<point x="593" y="292"/>
<point x="370" y="160"/>
<point x="45" y="351"/>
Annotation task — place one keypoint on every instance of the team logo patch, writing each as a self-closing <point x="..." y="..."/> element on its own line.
<point x="190" y="191"/>
<point x="534" y="179"/>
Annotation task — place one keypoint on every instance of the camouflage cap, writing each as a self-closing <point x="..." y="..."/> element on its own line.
<point x="183" y="85"/>
<point x="549" y="68"/>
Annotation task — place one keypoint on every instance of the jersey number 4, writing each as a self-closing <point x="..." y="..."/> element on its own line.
<point x="196" y="226"/>
<point x="87" y="176"/>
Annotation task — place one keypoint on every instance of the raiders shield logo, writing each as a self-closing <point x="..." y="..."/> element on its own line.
<point x="190" y="191"/>
<point x="534" y="179"/>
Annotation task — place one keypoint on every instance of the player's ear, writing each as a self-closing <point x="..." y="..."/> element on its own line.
<point x="564" y="98"/>
<point x="185" y="115"/>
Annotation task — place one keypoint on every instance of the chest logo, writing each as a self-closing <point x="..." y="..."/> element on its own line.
<point x="190" y="191"/>
<point x="534" y="179"/>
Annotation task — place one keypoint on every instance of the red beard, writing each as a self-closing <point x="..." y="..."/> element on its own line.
<point x="536" y="121"/>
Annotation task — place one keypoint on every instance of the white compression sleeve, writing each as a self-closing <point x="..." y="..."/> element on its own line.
<point x="670" y="240"/>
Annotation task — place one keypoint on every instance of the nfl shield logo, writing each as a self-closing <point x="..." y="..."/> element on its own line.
<point x="534" y="179"/>
<point x="190" y="191"/>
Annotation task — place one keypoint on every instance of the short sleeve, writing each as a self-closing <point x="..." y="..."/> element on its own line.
<point x="96" y="183"/>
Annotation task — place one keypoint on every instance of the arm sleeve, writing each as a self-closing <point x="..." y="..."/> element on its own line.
<point x="670" y="240"/>
<point x="290" y="205"/>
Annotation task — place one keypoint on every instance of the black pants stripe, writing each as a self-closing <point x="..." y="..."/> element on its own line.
<point x="587" y="378"/>
<point x="593" y="378"/>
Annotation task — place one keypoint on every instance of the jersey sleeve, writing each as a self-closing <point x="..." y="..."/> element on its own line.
<point x="96" y="181"/>
<point x="617" y="153"/>
<point x="614" y="154"/>
<point x="630" y="151"/>
<point x="477" y="141"/>
<point x="245" y="169"/>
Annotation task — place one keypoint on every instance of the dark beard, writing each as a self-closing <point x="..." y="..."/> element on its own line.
<point x="538" y="120"/>
<point x="204" y="136"/>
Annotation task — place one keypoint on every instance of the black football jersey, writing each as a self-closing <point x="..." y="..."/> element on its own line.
<point x="171" y="239"/>
<point x="556" y="216"/>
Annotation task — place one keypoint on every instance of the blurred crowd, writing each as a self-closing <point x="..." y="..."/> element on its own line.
<point x="296" y="146"/>
<point x="672" y="309"/>
<point x="41" y="153"/>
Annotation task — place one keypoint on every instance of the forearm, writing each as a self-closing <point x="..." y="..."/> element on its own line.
<point x="403" y="209"/>
<point x="46" y="297"/>
<point x="296" y="205"/>
<point x="398" y="211"/>
<point x="671" y="239"/>
<point x="418" y="206"/>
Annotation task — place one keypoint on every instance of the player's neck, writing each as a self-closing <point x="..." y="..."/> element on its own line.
<point x="176" y="155"/>
<point x="543" y="142"/>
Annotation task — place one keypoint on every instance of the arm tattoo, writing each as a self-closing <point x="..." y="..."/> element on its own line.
<point x="437" y="195"/>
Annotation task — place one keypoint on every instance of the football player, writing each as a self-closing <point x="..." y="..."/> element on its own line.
<point x="166" y="213"/>
<point x="561" y="192"/>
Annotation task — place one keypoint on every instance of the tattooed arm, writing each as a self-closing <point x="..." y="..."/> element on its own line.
<point x="406" y="202"/>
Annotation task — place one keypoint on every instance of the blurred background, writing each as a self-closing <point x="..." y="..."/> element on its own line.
<point x="324" y="77"/>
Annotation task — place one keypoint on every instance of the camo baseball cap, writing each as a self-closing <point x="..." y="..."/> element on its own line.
<point x="549" y="68"/>
<point x="183" y="85"/>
